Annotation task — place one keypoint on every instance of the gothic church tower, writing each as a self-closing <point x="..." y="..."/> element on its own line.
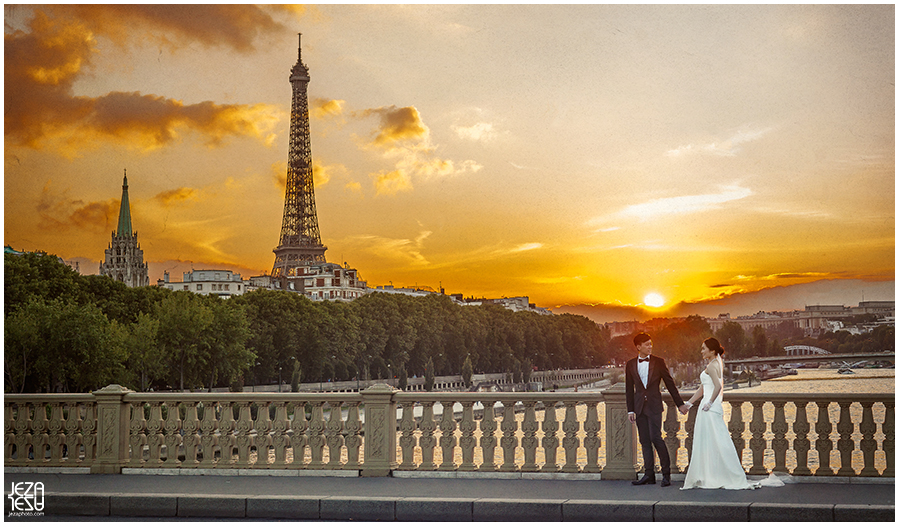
<point x="124" y="257"/>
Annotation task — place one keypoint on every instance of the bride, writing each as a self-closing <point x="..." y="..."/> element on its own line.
<point x="714" y="462"/>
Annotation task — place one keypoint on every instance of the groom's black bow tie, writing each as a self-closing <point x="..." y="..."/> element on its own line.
<point x="644" y="360"/>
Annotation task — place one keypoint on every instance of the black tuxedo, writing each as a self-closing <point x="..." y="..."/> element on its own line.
<point x="647" y="404"/>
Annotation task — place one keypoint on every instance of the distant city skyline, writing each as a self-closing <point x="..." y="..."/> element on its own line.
<point x="643" y="158"/>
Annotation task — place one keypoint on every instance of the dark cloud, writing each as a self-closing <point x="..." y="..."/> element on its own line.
<point x="57" y="213"/>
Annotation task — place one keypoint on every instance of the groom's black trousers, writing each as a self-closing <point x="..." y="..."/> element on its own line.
<point x="650" y="435"/>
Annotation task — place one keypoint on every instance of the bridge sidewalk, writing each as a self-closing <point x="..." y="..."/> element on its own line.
<point x="145" y="496"/>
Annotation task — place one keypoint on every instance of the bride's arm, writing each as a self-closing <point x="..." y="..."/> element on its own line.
<point x="713" y="371"/>
<point x="696" y="397"/>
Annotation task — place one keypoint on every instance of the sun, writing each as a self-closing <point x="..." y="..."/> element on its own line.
<point x="654" y="300"/>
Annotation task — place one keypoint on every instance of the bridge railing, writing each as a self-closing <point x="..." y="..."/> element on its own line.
<point x="381" y="430"/>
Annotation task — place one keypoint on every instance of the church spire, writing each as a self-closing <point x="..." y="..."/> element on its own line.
<point x="124" y="228"/>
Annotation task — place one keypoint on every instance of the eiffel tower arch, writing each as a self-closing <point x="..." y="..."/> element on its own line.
<point x="300" y="242"/>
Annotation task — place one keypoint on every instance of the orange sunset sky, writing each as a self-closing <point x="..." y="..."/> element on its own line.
<point x="587" y="154"/>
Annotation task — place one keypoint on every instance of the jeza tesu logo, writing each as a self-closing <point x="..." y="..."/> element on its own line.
<point x="27" y="497"/>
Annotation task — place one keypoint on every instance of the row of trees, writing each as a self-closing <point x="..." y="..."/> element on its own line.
<point x="67" y="332"/>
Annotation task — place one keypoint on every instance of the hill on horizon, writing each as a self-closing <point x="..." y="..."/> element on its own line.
<point x="780" y="298"/>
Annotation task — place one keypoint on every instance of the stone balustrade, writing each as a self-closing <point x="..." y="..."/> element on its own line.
<point x="381" y="430"/>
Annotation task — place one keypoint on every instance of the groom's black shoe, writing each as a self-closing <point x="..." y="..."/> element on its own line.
<point x="648" y="478"/>
<point x="666" y="481"/>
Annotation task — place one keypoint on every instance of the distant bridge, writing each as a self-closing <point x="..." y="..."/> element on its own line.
<point x="805" y="350"/>
<point x="793" y="359"/>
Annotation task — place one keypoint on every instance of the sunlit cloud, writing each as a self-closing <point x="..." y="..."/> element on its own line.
<point x="176" y="25"/>
<point x="402" y="251"/>
<point x="527" y="247"/>
<point x="321" y="108"/>
<point x="728" y="147"/>
<point x="170" y="197"/>
<point x="389" y="183"/>
<point x="477" y="132"/>
<point x="58" y="213"/>
<point x="678" y="205"/>
<point x="41" y="68"/>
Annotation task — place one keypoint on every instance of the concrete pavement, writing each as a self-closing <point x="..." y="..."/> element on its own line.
<point x="476" y="498"/>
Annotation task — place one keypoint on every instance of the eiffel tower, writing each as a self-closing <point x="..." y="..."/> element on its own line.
<point x="300" y="242"/>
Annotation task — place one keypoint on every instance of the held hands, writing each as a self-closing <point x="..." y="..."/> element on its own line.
<point x="684" y="409"/>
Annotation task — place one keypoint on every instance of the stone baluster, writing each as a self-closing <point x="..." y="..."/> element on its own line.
<point x="23" y="433"/>
<point x="172" y="426"/>
<point x="867" y="444"/>
<point x="845" y="444"/>
<point x="262" y="441"/>
<point x="316" y="433"/>
<point x="509" y="426"/>
<point x="9" y="426"/>
<point x="824" y="446"/>
<point x="155" y="439"/>
<point x="333" y="435"/>
<point x="407" y="438"/>
<point x="689" y="430"/>
<point x="671" y="426"/>
<point x="208" y="439"/>
<point x="448" y="439"/>
<point x="736" y="427"/>
<point x="280" y="439"/>
<point x="299" y="437"/>
<point x="73" y="434"/>
<point x="242" y="438"/>
<point x="887" y="444"/>
<point x="190" y="438"/>
<point x="137" y="435"/>
<point x="39" y="436"/>
<point x="592" y="439"/>
<point x="757" y="441"/>
<point x="55" y="438"/>
<point x="551" y="440"/>
<point x="801" y="441"/>
<point x="467" y="442"/>
<point x="529" y="439"/>
<point x="779" y="443"/>
<point x="570" y="442"/>
<point x="427" y="441"/>
<point x="488" y="439"/>
<point x="354" y="439"/>
<point x="89" y="433"/>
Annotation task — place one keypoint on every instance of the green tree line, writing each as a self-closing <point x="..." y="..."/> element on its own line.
<point x="67" y="332"/>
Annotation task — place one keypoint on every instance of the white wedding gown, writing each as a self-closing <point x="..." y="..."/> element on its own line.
<point x="714" y="462"/>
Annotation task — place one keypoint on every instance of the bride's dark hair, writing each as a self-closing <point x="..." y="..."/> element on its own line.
<point x="713" y="345"/>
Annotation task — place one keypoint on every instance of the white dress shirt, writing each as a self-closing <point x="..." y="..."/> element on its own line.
<point x="644" y="370"/>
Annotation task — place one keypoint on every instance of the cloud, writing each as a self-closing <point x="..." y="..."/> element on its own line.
<point x="392" y="182"/>
<point x="477" y="132"/>
<point x="41" y="68"/>
<point x="169" y="197"/>
<point x="232" y="25"/>
<point x="728" y="147"/>
<point x="58" y="213"/>
<point x="322" y="108"/>
<point x="407" y="252"/>
<point x="527" y="247"/>
<point x="677" y="205"/>
<point x="397" y="124"/>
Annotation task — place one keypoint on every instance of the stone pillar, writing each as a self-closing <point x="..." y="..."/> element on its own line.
<point x="113" y="420"/>
<point x="380" y="431"/>
<point x="620" y="436"/>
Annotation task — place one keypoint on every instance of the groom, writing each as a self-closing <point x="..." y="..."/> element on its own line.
<point x="645" y="406"/>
